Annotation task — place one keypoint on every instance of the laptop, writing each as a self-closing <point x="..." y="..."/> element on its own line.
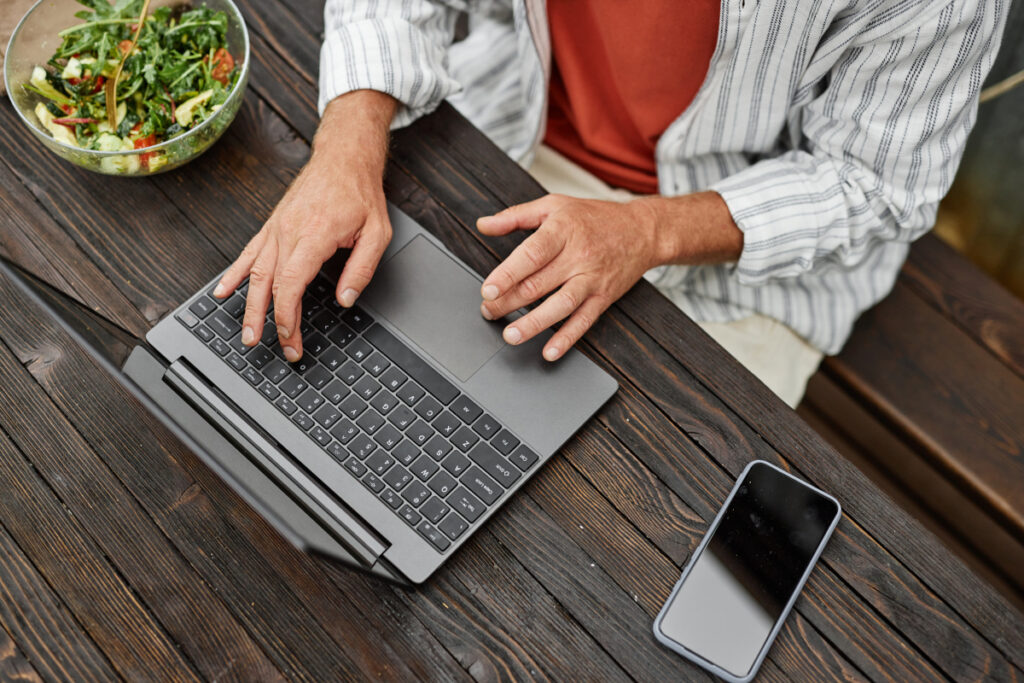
<point x="405" y="426"/>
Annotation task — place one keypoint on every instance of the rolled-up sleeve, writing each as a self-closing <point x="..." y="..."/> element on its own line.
<point x="399" y="47"/>
<point x="880" y="147"/>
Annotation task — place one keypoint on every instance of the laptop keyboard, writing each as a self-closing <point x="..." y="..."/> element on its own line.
<point x="386" y="416"/>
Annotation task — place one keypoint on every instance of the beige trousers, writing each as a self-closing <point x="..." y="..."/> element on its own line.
<point x="774" y="353"/>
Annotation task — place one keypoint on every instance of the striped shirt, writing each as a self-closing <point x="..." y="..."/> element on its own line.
<point x="831" y="128"/>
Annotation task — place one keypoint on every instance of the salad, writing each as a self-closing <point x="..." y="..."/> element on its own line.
<point x="175" y="77"/>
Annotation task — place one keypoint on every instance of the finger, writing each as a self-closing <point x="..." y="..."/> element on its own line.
<point x="289" y="284"/>
<point x="556" y="307"/>
<point x="534" y="253"/>
<point x="238" y="270"/>
<point x="530" y="289"/>
<point x="575" y="327"/>
<point x="361" y="264"/>
<point x="518" y="217"/>
<point x="258" y="297"/>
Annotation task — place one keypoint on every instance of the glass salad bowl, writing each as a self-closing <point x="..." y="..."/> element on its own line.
<point x="36" y="39"/>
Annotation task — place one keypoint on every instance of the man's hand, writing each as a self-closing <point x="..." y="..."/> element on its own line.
<point x="592" y="252"/>
<point x="336" y="202"/>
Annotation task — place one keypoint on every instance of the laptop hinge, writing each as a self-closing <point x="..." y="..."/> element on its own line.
<point x="263" y="451"/>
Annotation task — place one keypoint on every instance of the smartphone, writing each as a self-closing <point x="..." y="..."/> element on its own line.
<point x="736" y="590"/>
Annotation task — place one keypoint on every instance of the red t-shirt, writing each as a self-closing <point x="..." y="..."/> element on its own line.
<point x="621" y="73"/>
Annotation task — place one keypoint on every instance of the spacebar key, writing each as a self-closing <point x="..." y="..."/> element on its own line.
<point x="404" y="357"/>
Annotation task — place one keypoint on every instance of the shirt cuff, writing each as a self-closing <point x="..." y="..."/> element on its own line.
<point x="389" y="56"/>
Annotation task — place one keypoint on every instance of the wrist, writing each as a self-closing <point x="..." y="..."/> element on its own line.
<point x="354" y="131"/>
<point x="693" y="229"/>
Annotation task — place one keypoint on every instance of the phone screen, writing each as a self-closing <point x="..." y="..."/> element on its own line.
<point x="739" y="585"/>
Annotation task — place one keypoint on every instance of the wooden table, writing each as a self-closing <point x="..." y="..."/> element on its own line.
<point x="121" y="555"/>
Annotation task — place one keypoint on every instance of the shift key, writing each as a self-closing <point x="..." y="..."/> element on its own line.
<point x="483" y="486"/>
<point x="493" y="464"/>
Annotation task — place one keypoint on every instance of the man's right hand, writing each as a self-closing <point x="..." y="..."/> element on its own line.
<point x="336" y="202"/>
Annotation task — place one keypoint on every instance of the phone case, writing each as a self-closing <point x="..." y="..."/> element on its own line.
<point x="697" y="659"/>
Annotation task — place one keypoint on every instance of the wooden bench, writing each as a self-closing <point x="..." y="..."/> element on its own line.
<point x="927" y="398"/>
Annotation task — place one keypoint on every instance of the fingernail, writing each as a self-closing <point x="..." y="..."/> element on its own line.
<point x="220" y="290"/>
<point x="348" y="297"/>
<point x="489" y="292"/>
<point x="290" y="354"/>
<point x="485" y="313"/>
<point x="512" y="335"/>
<point x="552" y="353"/>
<point x="248" y="336"/>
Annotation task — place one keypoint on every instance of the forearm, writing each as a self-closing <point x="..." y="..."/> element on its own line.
<point x="691" y="229"/>
<point x="354" y="131"/>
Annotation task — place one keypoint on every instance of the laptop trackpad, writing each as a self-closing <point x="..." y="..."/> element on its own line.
<point x="435" y="302"/>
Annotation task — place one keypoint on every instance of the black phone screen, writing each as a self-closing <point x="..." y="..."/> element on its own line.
<point x="738" y="587"/>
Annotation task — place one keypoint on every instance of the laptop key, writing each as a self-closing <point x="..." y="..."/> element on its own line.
<point x="465" y="438"/>
<point x="320" y="436"/>
<point x="333" y="359"/>
<point x="370" y="421"/>
<point x="424" y="467"/>
<point x="466" y="409"/>
<point x="344" y="430"/>
<point x="314" y="344"/>
<point x="303" y="420"/>
<point x="453" y="526"/>
<point x="355" y="467"/>
<point x="373" y="482"/>
<point x="434" y="535"/>
<point x="434" y="509"/>
<point x="359" y="350"/>
<point x="235" y="306"/>
<point x="236" y="361"/>
<point x="456" y="463"/>
<point x="275" y="371"/>
<point x="269" y="390"/>
<point x="486" y="426"/>
<point x="419" y="433"/>
<point x="336" y="451"/>
<point x="350" y="372"/>
<point x="402" y="356"/>
<point x="319" y="376"/>
<point x="260" y="356"/>
<point x="405" y="452"/>
<point x="357" y="318"/>
<point x="327" y="416"/>
<point x="437" y="447"/>
<point x="342" y="335"/>
<point x="409" y="515"/>
<point x="402" y="417"/>
<point x="335" y="391"/>
<point x="376" y="364"/>
<point x="223" y="325"/>
<point x="240" y="348"/>
<point x="504" y="442"/>
<point x="293" y="386"/>
<point x="380" y="462"/>
<point x="397" y="477"/>
<point x="482" y="485"/>
<point x="442" y="483"/>
<point x="428" y="408"/>
<point x="203" y="332"/>
<point x="202" y="307"/>
<point x="310" y="401"/>
<point x="466" y="504"/>
<point x="493" y="464"/>
<point x="384" y="401"/>
<point x="251" y="376"/>
<point x="393" y="378"/>
<point x="523" y="458"/>
<point x="446" y="423"/>
<point x="303" y="365"/>
<point x="285" y="405"/>
<point x="393" y="500"/>
<point x="416" y="493"/>
<point x="410" y="393"/>
<point x="353" y="406"/>
<point x="388" y="437"/>
<point x="220" y="346"/>
<point x="269" y="336"/>
<point x="366" y="387"/>
<point x="324" y="321"/>
<point x="362" y="446"/>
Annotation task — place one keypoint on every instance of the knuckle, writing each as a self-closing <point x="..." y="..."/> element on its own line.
<point x="259" y="274"/>
<point x="530" y="288"/>
<point x="569" y="298"/>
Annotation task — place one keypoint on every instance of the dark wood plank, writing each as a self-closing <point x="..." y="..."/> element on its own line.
<point x="14" y="668"/>
<point x="193" y="615"/>
<point x="135" y="644"/>
<point x="965" y="294"/>
<point x="35" y="617"/>
<point x="955" y="402"/>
